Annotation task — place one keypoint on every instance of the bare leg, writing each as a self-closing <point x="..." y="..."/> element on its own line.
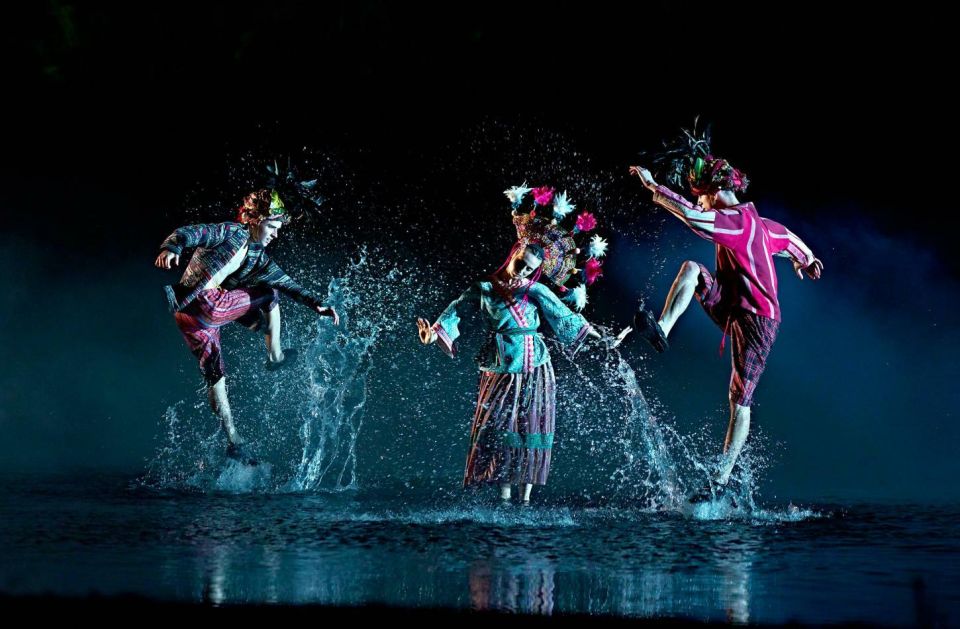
<point x="505" y="492"/>
<point x="736" y="436"/>
<point x="527" y="488"/>
<point x="274" y="352"/>
<point x="680" y="295"/>
<point x="217" y="394"/>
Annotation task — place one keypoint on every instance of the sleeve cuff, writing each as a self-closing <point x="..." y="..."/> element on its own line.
<point x="444" y="341"/>
<point x="671" y="200"/>
<point x="580" y="339"/>
<point x="802" y="256"/>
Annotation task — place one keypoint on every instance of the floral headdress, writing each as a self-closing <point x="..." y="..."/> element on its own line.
<point x="564" y="261"/>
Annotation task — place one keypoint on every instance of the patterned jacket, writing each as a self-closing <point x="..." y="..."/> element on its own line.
<point x="217" y="244"/>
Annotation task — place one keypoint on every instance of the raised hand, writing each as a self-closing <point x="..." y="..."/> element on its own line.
<point x="328" y="311"/>
<point x="644" y="176"/>
<point x="427" y="335"/>
<point x="166" y="260"/>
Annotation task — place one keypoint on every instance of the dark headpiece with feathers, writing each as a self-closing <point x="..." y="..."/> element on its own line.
<point x="300" y="198"/>
<point x="688" y="159"/>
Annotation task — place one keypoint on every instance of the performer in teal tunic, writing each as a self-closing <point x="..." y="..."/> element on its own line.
<point x="513" y="427"/>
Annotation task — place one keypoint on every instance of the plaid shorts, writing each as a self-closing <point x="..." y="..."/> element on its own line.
<point x="751" y="337"/>
<point x="201" y="320"/>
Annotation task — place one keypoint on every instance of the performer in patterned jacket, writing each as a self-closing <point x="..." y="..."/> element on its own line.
<point x="230" y="277"/>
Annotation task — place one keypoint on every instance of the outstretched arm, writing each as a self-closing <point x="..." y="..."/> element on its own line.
<point x="723" y="228"/>
<point x="446" y="330"/>
<point x="785" y="244"/>
<point x="189" y="236"/>
<point x="570" y="328"/>
<point x="275" y="277"/>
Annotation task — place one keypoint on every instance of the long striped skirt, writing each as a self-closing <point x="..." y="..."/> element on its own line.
<point x="512" y="434"/>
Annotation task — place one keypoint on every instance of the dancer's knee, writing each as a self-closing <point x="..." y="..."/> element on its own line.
<point x="690" y="272"/>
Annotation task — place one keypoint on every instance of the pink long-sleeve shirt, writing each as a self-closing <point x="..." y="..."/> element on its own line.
<point x="746" y="243"/>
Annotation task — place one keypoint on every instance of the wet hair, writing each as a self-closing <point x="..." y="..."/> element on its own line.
<point x="256" y="207"/>
<point x="257" y="201"/>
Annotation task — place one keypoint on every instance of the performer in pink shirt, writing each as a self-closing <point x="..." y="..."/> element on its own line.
<point x="741" y="296"/>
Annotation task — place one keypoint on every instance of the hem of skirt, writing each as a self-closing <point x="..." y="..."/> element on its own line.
<point x="500" y="481"/>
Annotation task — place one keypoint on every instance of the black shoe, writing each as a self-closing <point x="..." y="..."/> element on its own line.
<point x="289" y="357"/>
<point x="242" y="454"/>
<point x="647" y="327"/>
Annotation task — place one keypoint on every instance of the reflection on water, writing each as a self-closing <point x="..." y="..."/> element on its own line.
<point x="513" y="566"/>
<point x="875" y="564"/>
<point x="526" y="587"/>
<point x="517" y="582"/>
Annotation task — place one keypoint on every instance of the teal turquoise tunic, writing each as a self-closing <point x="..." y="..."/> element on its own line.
<point x="516" y="346"/>
<point x="512" y="436"/>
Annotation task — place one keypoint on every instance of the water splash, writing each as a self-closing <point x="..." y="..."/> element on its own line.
<point x="235" y="477"/>
<point x="313" y="416"/>
<point x="361" y="412"/>
<point x="332" y="416"/>
<point x="313" y="427"/>
<point x="647" y="473"/>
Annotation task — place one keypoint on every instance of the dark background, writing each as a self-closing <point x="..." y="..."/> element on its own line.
<point x="122" y="122"/>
